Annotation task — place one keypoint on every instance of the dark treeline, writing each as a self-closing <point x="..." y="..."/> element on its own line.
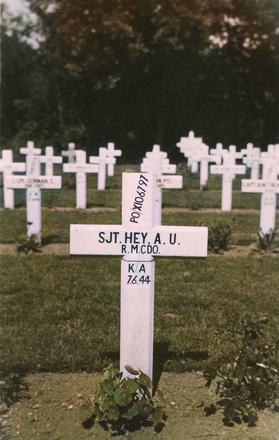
<point x="142" y="72"/>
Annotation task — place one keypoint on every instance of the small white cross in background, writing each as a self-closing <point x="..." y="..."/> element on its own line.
<point x="103" y="160"/>
<point x="138" y="240"/>
<point x="252" y="159"/>
<point x="80" y="168"/>
<point x="70" y="153"/>
<point x="49" y="159"/>
<point x="268" y="186"/>
<point x="187" y="146"/>
<point x="228" y="170"/>
<point x="157" y="163"/>
<point x="33" y="182"/>
<point x="111" y="153"/>
<point x="8" y="167"/>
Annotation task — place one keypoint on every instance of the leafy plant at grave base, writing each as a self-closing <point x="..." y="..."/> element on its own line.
<point x="268" y="242"/>
<point x="219" y="236"/>
<point x="29" y="244"/>
<point x="126" y="404"/>
<point x="244" y="370"/>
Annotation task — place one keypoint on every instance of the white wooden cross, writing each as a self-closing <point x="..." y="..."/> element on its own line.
<point x="103" y="160"/>
<point x="8" y="167"/>
<point x="33" y="182"/>
<point x="111" y="152"/>
<point x="187" y="146"/>
<point x="252" y="159"/>
<point x="203" y="157"/>
<point x="156" y="162"/>
<point x="268" y="186"/>
<point x="81" y="168"/>
<point x="228" y="170"/>
<point x="70" y="153"/>
<point x="218" y="151"/>
<point x="138" y="240"/>
<point x="49" y="159"/>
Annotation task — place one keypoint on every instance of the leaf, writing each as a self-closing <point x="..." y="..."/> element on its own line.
<point x="121" y="397"/>
<point x="130" y="386"/>
<point x="131" y="370"/>
<point x="132" y="412"/>
<point x="107" y="385"/>
<point x="113" y="413"/>
<point x="144" y="380"/>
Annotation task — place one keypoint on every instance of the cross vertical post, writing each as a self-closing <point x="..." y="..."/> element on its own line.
<point x="49" y="160"/>
<point x="8" y="167"/>
<point x="111" y="152"/>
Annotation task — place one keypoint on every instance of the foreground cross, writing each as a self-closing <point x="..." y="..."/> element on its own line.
<point x="33" y="182"/>
<point x="81" y="168"/>
<point x="228" y="170"/>
<point x="138" y="240"/>
<point x="49" y="159"/>
<point x="8" y="167"/>
<point x="70" y="153"/>
<point x="157" y="163"/>
<point x="268" y="186"/>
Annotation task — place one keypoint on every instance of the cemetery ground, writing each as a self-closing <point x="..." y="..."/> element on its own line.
<point x="60" y="314"/>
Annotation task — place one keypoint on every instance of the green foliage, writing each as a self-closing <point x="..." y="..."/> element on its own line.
<point x="268" y="242"/>
<point x="244" y="369"/>
<point x="219" y="236"/>
<point x="125" y="404"/>
<point x="29" y="244"/>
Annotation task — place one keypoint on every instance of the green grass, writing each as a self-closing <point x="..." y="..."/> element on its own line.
<point x="62" y="313"/>
<point x="55" y="224"/>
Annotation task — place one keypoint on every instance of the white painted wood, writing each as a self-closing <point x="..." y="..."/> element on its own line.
<point x="8" y="167"/>
<point x="81" y="169"/>
<point x="138" y="239"/>
<point x="33" y="182"/>
<point x="49" y="160"/>
<point x="103" y="160"/>
<point x="157" y="163"/>
<point x="252" y="159"/>
<point x="268" y="186"/>
<point x="228" y="170"/>
<point x="218" y="151"/>
<point x="111" y="152"/>
<point x="70" y="153"/>
<point x="188" y="145"/>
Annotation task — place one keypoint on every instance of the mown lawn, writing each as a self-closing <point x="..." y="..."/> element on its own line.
<point x="62" y="313"/>
<point x="55" y="224"/>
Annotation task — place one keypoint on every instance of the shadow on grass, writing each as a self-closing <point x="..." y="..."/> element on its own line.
<point x="50" y="239"/>
<point x="162" y="356"/>
<point x="13" y="388"/>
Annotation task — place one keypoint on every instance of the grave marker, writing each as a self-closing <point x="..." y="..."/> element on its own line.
<point x="138" y="240"/>
<point x="103" y="160"/>
<point x="188" y="145"/>
<point x="80" y="168"/>
<point x="8" y="167"/>
<point x="268" y="186"/>
<point x="70" y="153"/>
<point x="111" y="152"/>
<point x="33" y="182"/>
<point x="157" y="163"/>
<point x="49" y="160"/>
<point x="252" y="159"/>
<point x="228" y="170"/>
